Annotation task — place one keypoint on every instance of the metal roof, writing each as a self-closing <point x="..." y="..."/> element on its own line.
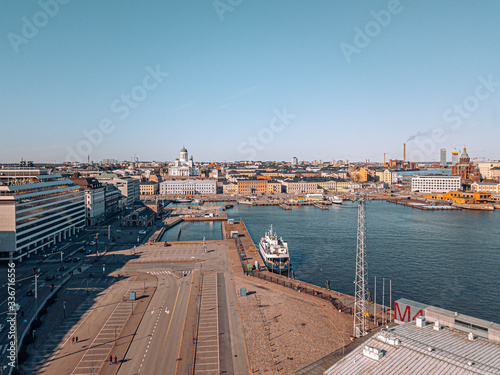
<point x="450" y="353"/>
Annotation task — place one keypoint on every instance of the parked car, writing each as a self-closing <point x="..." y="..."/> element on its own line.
<point x="67" y="260"/>
<point x="49" y="278"/>
<point x="31" y="292"/>
<point x="142" y="232"/>
<point x="92" y="243"/>
<point x="63" y="268"/>
<point x="88" y="251"/>
<point x="76" y="259"/>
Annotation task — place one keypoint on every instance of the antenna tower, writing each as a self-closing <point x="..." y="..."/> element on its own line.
<point x="361" y="282"/>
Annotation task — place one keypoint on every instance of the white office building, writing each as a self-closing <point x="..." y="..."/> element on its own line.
<point x="37" y="214"/>
<point x="436" y="183"/>
<point x="185" y="187"/>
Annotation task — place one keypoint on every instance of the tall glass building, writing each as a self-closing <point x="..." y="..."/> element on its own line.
<point x="36" y="212"/>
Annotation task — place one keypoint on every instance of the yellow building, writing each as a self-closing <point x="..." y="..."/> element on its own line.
<point x="486" y="187"/>
<point x="466" y="197"/>
<point x="385" y="176"/>
<point x="271" y="174"/>
<point x="230" y="188"/>
<point x="342" y="185"/>
<point x="148" y="188"/>
<point x="273" y="187"/>
<point x="330" y="185"/>
<point x="252" y="186"/>
<point x="360" y="175"/>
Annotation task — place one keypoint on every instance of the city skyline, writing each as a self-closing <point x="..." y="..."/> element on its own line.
<point x="248" y="80"/>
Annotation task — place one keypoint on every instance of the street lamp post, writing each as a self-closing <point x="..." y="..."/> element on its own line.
<point x="36" y="297"/>
<point x="64" y="309"/>
<point x="115" y="334"/>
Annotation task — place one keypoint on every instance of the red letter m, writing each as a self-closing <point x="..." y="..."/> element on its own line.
<point x="407" y="311"/>
<point x="398" y="311"/>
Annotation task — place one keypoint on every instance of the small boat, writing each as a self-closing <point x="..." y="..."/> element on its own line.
<point x="183" y="200"/>
<point x="336" y="199"/>
<point x="274" y="252"/>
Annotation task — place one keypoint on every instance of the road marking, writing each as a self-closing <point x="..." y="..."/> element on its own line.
<point x="168" y="329"/>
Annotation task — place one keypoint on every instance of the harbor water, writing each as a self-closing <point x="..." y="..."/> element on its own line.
<point x="449" y="259"/>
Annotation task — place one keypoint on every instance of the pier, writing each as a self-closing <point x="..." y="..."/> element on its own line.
<point x="284" y="206"/>
<point x="243" y="252"/>
<point x="321" y="206"/>
<point x="421" y="205"/>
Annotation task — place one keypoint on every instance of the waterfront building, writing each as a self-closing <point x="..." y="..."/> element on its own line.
<point x="252" y="186"/>
<point x="183" y="167"/>
<point x="431" y="341"/>
<point x="435" y="183"/>
<point x="342" y="185"/>
<point x="442" y="157"/>
<point x="492" y="187"/>
<point x="185" y="187"/>
<point x="465" y="168"/>
<point x="462" y="197"/>
<point x="95" y="206"/>
<point x="273" y="187"/>
<point x="328" y="184"/>
<point x="36" y="214"/>
<point x="230" y="188"/>
<point x="148" y="188"/>
<point x="301" y="186"/>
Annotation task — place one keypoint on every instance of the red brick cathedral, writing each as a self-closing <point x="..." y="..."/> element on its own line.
<point x="465" y="168"/>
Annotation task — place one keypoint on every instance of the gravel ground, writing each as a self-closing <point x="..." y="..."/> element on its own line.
<point x="286" y="330"/>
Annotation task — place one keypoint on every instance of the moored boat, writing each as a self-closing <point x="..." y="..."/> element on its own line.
<point x="336" y="199"/>
<point x="274" y="252"/>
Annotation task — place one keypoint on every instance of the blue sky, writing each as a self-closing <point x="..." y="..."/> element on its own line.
<point x="241" y="79"/>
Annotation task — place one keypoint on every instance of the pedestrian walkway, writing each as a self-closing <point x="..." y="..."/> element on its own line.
<point x="166" y="272"/>
<point x="99" y="349"/>
<point x="51" y="348"/>
<point x="207" y="344"/>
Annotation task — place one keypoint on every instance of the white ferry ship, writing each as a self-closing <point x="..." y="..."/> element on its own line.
<point x="274" y="252"/>
<point x="336" y="199"/>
